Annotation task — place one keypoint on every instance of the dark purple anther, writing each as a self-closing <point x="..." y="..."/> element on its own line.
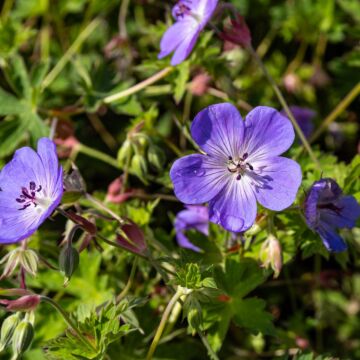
<point x="250" y="166"/>
<point x="28" y="197"/>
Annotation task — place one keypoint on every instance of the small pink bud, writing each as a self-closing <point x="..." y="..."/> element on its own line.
<point x="237" y="32"/>
<point x="302" y="343"/>
<point x="65" y="138"/>
<point x="132" y="238"/>
<point x="24" y="303"/>
<point x="200" y="84"/>
<point x="114" y="192"/>
<point x="291" y="82"/>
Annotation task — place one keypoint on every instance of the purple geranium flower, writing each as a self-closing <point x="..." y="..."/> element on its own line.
<point x="191" y="17"/>
<point x="194" y="217"/>
<point x="327" y="209"/>
<point x="304" y="118"/>
<point x="31" y="187"/>
<point x="241" y="165"/>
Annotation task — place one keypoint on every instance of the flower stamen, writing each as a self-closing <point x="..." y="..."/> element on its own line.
<point x="240" y="166"/>
<point x="28" y="196"/>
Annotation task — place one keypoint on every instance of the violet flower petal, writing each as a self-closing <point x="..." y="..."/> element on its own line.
<point x="219" y="130"/>
<point x="331" y="239"/>
<point x="234" y="208"/>
<point x="267" y="133"/>
<point x="194" y="217"/>
<point x="276" y="182"/>
<point x="196" y="178"/>
<point x="31" y="187"/>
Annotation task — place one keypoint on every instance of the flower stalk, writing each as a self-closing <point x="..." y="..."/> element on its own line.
<point x="179" y="292"/>
<point x="73" y="49"/>
<point x="285" y="106"/>
<point x="138" y="87"/>
<point x="355" y="91"/>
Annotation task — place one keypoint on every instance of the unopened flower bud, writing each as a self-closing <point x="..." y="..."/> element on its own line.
<point x="291" y="82"/>
<point x="29" y="261"/>
<point x="237" y="32"/>
<point x="200" y="84"/>
<point x="125" y="152"/>
<point x="271" y="254"/>
<point x="139" y="166"/>
<point x="22" y="338"/>
<point x="115" y="192"/>
<point x="7" y="330"/>
<point x="156" y="157"/>
<point x="11" y="260"/>
<point x="27" y="258"/>
<point x="68" y="261"/>
<point x="24" y="303"/>
<point x="132" y="238"/>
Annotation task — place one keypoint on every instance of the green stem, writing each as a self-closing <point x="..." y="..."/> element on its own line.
<point x="285" y="106"/>
<point x="8" y="4"/>
<point x="100" y="205"/>
<point x="355" y="91"/>
<point x="69" y="322"/>
<point x="122" y="18"/>
<point x="211" y="352"/>
<point x="71" y="51"/>
<point x="179" y="292"/>
<point x="126" y="289"/>
<point x="138" y="87"/>
<point x="96" y="154"/>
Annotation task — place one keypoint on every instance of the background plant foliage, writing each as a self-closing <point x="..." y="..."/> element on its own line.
<point x="60" y="63"/>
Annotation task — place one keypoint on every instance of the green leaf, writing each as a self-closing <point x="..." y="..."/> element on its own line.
<point x="219" y="328"/>
<point x="239" y="276"/>
<point x="250" y="314"/>
<point x="10" y="105"/>
<point x="11" y="133"/>
<point x="38" y="73"/>
<point x="181" y="80"/>
<point x="18" y="77"/>
<point x="37" y="127"/>
<point x="189" y="276"/>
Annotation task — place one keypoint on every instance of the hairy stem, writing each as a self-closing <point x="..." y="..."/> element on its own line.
<point x="285" y="106"/>
<point x="126" y="289"/>
<point x="355" y="91"/>
<point x="138" y="87"/>
<point x="211" y="352"/>
<point x="71" y="51"/>
<point x="96" y="154"/>
<point x="179" y="292"/>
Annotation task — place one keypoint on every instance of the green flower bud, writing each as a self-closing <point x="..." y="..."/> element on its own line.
<point x="156" y="157"/>
<point x="125" y="152"/>
<point x="141" y="141"/>
<point x="68" y="261"/>
<point x="7" y="330"/>
<point x="139" y="166"/>
<point x="22" y="338"/>
<point x="29" y="261"/>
